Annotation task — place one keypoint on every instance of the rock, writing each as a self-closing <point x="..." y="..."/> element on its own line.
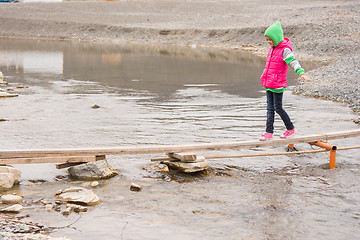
<point x="94" y="184"/>
<point x="14" y="171"/>
<point x="57" y="208"/>
<point x="7" y="180"/>
<point x="16" y="208"/>
<point x="90" y="184"/>
<point x="135" y="187"/>
<point x="3" y="83"/>
<point x="78" y="195"/>
<point x="196" y="160"/>
<point x="5" y="94"/>
<point x="156" y="167"/>
<point x="45" y="202"/>
<point x="48" y="207"/>
<point x="11" y="199"/>
<point x="66" y="212"/>
<point x="95" y="106"/>
<point x="92" y="170"/>
<point x="183" y="157"/>
<point x="188" y="167"/>
<point x="76" y="208"/>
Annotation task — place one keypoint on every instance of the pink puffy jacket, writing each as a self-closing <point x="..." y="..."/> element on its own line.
<point x="275" y="72"/>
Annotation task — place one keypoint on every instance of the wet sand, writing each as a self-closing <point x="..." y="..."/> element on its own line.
<point x="320" y="30"/>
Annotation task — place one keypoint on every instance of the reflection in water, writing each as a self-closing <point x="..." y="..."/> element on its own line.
<point x="154" y="95"/>
<point x="154" y="70"/>
<point x="40" y="62"/>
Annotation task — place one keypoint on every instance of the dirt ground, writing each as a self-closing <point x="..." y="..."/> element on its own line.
<point x="326" y="31"/>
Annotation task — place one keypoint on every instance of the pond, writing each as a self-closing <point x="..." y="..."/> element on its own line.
<point x="174" y="95"/>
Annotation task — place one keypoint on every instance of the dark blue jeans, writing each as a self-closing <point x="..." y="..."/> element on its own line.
<point x="274" y="104"/>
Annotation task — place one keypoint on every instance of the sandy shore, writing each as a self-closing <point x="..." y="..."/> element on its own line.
<point x="320" y="30"/>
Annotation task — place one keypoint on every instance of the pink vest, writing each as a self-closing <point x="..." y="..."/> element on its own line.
<point x="275" y="72"/>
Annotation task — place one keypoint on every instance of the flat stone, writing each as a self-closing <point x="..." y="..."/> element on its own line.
<point x="188" y="167"/>
<point x="11" y="199"/>
<point x="45" y="202"/>
<point x="183" y="157"/>
<point x="16" y="208"/>
<point x="6" y="94"/>
<point x="78" y="195"/>
<point x="196" y="160"/>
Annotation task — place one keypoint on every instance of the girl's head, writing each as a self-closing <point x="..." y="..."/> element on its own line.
<point x="274" y="34"/>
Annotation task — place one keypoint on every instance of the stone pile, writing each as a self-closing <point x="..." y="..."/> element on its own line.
<point x="187" y="163"/>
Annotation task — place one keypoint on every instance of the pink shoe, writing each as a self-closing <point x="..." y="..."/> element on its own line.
<point x="288" y="133"/>
<point x="266" y="136"/>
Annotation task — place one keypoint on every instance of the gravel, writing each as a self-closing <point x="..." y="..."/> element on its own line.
<point x="13" y="228"/>
<point x="338" y="81"/>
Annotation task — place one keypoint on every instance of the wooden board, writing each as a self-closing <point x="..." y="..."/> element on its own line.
<point x="56" y="159"/>
<point x="145" y="149"/>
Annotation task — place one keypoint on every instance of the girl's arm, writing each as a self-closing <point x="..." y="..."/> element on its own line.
<point x="288" y="57"/>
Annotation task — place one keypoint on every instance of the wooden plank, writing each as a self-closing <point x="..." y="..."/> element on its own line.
<point x="100" y="157"/>
<point x="55" y="159"/>
<point x="125" y="150"/>
<point x="70" y="164"/>
<point x="248" y="155"/>
<point x="66" y="165"/>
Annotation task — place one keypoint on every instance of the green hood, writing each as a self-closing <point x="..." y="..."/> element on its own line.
<point x="275" y="32"/>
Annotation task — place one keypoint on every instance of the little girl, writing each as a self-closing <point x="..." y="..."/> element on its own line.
<point x="274" y="79"/>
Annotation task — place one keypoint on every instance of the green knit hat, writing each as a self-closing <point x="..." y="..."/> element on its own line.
<point x="275" y="32"/>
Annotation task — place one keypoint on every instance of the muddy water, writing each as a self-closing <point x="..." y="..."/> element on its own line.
<point x="168" y="95"/>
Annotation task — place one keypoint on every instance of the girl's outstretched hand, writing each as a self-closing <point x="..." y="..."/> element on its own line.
<point x="305" y="78"/>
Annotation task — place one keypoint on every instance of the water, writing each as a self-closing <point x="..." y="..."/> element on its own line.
<point x="173" y="95"/>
